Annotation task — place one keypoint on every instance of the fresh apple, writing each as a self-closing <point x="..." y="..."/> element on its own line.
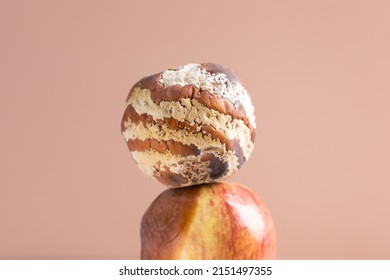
<point x="210" y="221"/>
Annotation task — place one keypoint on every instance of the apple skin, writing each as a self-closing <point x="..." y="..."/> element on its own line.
<point x="216" y="221"/>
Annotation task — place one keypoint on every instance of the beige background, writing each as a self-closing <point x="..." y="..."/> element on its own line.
<point x="318" y="72"/>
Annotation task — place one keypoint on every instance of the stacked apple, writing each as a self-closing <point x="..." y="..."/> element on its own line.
<point x="191" y="127"/>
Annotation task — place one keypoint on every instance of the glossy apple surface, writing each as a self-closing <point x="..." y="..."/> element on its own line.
<point x="210" y="221"/>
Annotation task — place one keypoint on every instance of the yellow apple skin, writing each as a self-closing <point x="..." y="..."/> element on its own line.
<point x="216" y="221"/>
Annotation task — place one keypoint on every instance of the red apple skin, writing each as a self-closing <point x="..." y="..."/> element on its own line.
<point x="216" y="221"/>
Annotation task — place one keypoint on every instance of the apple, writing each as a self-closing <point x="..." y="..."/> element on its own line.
<point x="210" y="221"/>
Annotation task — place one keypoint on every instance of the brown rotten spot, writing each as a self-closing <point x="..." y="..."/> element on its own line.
<point x="166" y="177"/>
<point x="174" y="147"/>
